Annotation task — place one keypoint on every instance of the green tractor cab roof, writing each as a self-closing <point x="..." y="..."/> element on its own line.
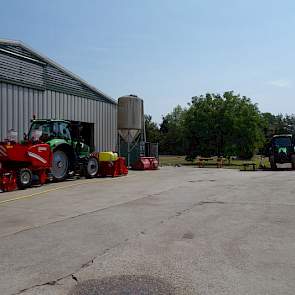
<point x="282" y="135"/>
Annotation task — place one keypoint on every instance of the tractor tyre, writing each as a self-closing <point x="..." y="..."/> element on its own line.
<point x="24" y="178"/>
<point x="273" y="164"/>
<point x="60" y="165"/>
<point x="293" y="162"/>
<point x="92" y="168"/>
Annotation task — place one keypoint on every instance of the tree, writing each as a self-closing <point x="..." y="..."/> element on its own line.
<point x="151" y="129"/>
<point x="223" y="125"/>
<point x="171" y="129"/>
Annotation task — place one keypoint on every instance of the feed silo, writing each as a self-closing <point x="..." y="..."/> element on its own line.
<point x="131" y="127"/>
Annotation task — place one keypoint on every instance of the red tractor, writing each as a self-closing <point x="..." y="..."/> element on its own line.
<point x="20" y="162"/>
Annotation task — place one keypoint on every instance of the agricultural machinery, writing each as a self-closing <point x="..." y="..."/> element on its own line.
<point x="53" y="149"/>
<point x="70" y="154"/>
<point x="19" y="163"/>
<point x="282" y="150"/>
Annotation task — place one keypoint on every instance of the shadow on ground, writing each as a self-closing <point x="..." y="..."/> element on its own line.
<point x="124" y="285"/>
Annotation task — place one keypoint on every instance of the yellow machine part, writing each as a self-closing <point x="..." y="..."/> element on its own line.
<point x="107" y="156"/>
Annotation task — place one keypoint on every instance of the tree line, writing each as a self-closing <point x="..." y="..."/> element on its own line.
<point x="217" y="125"/>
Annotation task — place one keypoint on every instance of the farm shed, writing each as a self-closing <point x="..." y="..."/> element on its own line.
<point x="32" y="84"/>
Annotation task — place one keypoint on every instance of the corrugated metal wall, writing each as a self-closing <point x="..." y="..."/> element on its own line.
<point x="18" y="104"/>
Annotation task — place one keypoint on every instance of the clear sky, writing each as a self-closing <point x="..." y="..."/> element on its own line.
<point x="166" y="51"/>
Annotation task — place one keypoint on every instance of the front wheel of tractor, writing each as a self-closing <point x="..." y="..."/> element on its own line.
<point x="92" y="167"/>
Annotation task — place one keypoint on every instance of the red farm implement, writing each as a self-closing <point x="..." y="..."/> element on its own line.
<point x="110" y="164"/>
<point x="146" y="163"/>
<point x="19" y="162"/>
<point x="115" y="168"/>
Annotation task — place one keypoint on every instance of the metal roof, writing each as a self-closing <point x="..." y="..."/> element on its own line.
<point x="56" y="65"/>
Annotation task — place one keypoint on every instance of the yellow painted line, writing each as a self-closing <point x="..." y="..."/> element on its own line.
<point x="53" y="189"/>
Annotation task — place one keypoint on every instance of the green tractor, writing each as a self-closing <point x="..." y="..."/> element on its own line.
<point x="70" y="154"/>
<point x="281" y="150"/>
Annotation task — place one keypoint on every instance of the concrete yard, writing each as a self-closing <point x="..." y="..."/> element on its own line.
<point x="174" y="231"/>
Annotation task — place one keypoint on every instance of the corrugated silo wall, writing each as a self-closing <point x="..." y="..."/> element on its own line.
<point x="18" y="104"/>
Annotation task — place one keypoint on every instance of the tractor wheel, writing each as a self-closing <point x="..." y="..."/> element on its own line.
<point x="24" y="178"/>
<point x="92" y="167"/>
<point x="273" y="164"/>
<point x="60" y="165"/>
<point x="293" y="162"/>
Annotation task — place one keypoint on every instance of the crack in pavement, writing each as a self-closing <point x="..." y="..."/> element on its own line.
<point x="138" y="234"/>
<point x="92" y="212"/>
<point x="107" y="250"/>
<point x="72" y="274"/>
<point x="91" y="261"/>
<point x="104" y="252"/>
<point x="210" y="202"/>
<point x="178" y="213"/>
<point x="55" y="282"/>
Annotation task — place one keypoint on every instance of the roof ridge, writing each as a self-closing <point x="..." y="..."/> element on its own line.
<point x="58" y="66"/>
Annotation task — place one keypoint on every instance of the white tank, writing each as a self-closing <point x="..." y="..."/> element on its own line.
<point x="130" y="117"/>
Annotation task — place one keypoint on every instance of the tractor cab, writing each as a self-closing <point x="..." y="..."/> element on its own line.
<point x="282" y="150"/>
<point x="45" y="130"/>
<point x="51" y="130"/>
<point x="64" y="138"/>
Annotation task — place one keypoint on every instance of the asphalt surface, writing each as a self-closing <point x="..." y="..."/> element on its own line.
<point x="173" y="231"/>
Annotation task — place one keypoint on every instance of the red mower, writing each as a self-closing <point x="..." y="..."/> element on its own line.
<point x="20" y="162"/>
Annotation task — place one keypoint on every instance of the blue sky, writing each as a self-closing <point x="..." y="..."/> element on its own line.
<point x="166" y="51"/>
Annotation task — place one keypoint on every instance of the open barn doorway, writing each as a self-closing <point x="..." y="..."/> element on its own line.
<point x="86" y="132"/>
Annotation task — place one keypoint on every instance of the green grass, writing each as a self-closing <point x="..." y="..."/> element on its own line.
<point x="173" y="160"/>
<point x="234" y="164"/>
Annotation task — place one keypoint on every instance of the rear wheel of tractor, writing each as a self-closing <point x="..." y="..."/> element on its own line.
<point x="92" y="167"/>
<point x="273" y="164"/>
<point x="60" y="165"/>
<point x="24" y="178"/>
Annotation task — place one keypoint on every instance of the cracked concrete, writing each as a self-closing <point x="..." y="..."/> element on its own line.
<point x="56" y="281"/>
<point x="202" y="231"/>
